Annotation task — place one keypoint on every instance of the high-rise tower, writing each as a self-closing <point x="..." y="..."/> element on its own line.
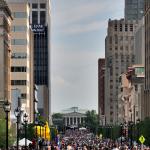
<point x="40" y="24"/>
<point x="147" y="60"/>
<point x="134" y="9"/>
<point x="21" y="58"/>
<point x="119" y="55"/>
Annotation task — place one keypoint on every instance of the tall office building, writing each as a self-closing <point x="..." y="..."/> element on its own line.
<point x="5" y="53"/>
<point x="21" y="58"/>
<point x="147" y="60"/>
<point x="134" y="9"/>
<point x="39" y="20"/>
<point x="119" y="55"/>
<point x="139" y="40"/>
<point x="40" y="24"/>
<point x="101" y="88"/>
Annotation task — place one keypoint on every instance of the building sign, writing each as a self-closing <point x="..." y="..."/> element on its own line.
<point x="139" y="71"/>
<point x="38" y="28"/>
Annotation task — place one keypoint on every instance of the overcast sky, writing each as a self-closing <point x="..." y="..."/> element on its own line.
<point x="78" y="32"/>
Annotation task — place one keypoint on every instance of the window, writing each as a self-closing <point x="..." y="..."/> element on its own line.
<point x="19" y="42"/>
<point x="20" y="15"/>
<point x="18" y="69"/>
<point x="121" y="47"/>
<point x="126" y="27"/>
<point x="19" y="28"/>
<point x="34" y="5"/>
<point x="34" y="17"/>
<point x="43" y="5"/>
<point x="42" y="17"/>
<point x="19" y="55"/>
<point x="115" y="27"/>
<point x="120" y="27"/>
<point x="131" y="27"/>
<point x="23" y="95"/>
<point x="18" y="82"/>
<point x="116" y="39"/>
<point x="110" y="40"/>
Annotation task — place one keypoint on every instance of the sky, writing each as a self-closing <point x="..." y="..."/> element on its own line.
<point x="78" y="31"/>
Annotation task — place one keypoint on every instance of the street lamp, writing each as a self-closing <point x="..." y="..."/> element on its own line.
<point x="121" y="131"/>
<point x="17" y="113"/>
<point x="25" y="120"/>
<point x="131" y="123"/>
<point x="6" y="107"/>
<point x="138" y="121"/>
<point x="36" y="123"/>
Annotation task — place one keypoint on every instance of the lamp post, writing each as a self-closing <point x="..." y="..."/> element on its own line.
<point x="17" y="113"/>
<point x="121" y="131"/>
<point x="25" y="120"/>
<point x="6" y="107"/>
<point x="131" y="123"/>
<point x="138" y="121"/>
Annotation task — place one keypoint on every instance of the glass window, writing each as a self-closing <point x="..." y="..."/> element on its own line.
<point x="126" y="27"/>
<point x="19" y="55"/>
<point x="18" y="69"/>
<point x="43" y="5"/>
<point x="42" y="17"/>
<point x="34" y="17"/>
<point x="23" y="95"/>
<point x="34" y="5"/>
<point x="19" y="28"/>
<point x="20" y="15"/>
<point x="19" y="42"/>
<point x="18" y="82"/>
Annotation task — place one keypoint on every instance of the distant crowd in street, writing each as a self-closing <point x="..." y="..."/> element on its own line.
<point x="75" y="139"/>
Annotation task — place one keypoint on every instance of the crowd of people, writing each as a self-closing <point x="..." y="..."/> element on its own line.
<point x="75" y="139"/>
<point x="84" y="140"/>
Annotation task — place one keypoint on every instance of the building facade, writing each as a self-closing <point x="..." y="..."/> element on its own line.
<point x="139" y="40"/>
<point x="134" y="9"/>
<point x="101" y="88"/>
<point x="131" y="94"/>
<point x="38" y="19"/>
<point x="74" y="117"/>
<point x="119" y="55"/>
<point x="5" y="53"/>
<point x="40" y="24"/>
<point x="147" y="59"/>
<point x="22" y="57"/>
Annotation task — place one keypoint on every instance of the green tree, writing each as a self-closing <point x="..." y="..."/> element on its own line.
<point x="58" y="122"/>
<point x="11" y="134"/>
<point x="91" y="121"/>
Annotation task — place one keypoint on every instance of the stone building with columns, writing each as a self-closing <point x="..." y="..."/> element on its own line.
<point x="74" y="117"/>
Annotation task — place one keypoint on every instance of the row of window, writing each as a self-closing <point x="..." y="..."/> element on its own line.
<point x="18" y="82"/>
<point x="20" y="15"/>
<point x="36" y="6"/>
<point x="36" y="15"/>
<point x="126" y="28"/>
<point x="19" y="55"/>
<point x="19" y="41"/>
<point x="120" y="38"/>
<point x="18" y="69"/>
<point x="19" y="28"/>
